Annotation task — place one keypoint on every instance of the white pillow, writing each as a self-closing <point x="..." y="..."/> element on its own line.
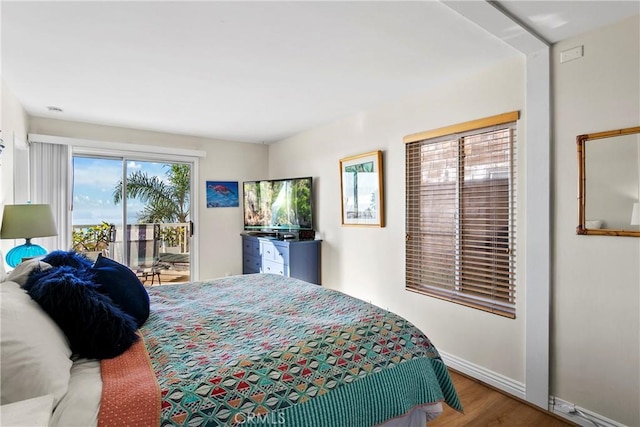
<point x="20" y="274"/>
<point x="34" y="353"/>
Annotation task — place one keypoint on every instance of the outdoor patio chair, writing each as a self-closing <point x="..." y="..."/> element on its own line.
<point x="143" y="244"/>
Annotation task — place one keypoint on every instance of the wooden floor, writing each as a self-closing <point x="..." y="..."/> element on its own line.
<point x="484" y="406"/>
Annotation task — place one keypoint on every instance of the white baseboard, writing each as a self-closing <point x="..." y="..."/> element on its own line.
<point x="586" y="419"/>
<point x="480" y="373"/>
<point x="581" y="416"/>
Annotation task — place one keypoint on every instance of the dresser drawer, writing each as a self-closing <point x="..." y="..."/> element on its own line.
<point x="275" y="252"/>
<point x="251" y="247"/>
<point x="273" y="267"/>
<point x="281" y="254"/>
<point x="251" y="264"/>
<point x="267" y="251"/>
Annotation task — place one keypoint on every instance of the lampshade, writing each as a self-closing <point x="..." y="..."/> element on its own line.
<point x="26" y="221"/>
<point x="635" y="214"/>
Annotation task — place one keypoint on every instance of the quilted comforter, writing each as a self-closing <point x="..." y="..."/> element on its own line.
<point x="265" y="349"/>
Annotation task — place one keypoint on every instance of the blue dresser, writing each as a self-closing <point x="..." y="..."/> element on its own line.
<point x="294" y="258"/>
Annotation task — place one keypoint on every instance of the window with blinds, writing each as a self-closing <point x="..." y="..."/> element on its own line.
<point x="460" y="213"/>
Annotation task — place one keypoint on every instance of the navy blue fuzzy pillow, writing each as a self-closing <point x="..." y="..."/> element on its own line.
<point x="94" y="326"/>
<point x="123" y="287"/>
<point x="70" y="258"/>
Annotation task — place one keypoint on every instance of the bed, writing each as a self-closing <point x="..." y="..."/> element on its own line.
<point x="253" y="349"/>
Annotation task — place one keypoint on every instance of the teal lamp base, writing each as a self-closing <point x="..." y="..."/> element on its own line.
<point x="28" y="250"/>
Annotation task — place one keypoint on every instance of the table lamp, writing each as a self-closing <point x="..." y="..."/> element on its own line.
<point x="26" y="222"/>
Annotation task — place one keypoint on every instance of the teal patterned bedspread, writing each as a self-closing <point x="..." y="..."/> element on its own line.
<point x="263" y="349"/>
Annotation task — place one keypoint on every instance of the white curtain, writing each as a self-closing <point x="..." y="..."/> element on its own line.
<point x="50" y="184"/>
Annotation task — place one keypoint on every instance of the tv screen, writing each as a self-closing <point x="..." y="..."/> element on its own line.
<point x="278" y="204"/>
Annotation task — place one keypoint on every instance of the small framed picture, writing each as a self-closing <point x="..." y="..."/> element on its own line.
<point x="222" y="194"/>
<point x="361" y="190"/>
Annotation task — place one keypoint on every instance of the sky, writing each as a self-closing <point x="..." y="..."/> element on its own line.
<point x="94" y="180"/>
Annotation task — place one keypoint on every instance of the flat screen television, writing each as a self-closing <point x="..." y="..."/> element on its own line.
<point x="278" y="204"/>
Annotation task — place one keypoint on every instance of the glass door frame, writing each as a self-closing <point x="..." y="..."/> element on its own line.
<point x="148" y="156"/>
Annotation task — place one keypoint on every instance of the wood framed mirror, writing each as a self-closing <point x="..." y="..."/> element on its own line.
<point x="609" y="183"/>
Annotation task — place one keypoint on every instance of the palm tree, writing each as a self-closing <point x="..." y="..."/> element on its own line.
<point x="165" y="201"/>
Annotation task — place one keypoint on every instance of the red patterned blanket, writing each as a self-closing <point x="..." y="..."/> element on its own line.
<point x="130" y="392"/>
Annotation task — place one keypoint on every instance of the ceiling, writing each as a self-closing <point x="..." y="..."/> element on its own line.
<point x="253" y="71"/>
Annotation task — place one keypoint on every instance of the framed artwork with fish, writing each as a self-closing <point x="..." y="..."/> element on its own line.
<point x="222" y="194"/>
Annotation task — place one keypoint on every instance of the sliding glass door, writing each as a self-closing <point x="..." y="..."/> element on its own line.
<point x="135" y="211"/>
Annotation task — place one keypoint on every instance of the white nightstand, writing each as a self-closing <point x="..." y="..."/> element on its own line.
<point x="34" y="412"/>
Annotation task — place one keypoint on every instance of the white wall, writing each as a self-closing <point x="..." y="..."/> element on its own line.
<point x="218" y="229"/>
<point x="369" y="262"/>
<point x="596" y="279"/>
<point x="14" y="125"/>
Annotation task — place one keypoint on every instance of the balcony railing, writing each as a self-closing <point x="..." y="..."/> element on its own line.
<point x="105" y="238"/>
